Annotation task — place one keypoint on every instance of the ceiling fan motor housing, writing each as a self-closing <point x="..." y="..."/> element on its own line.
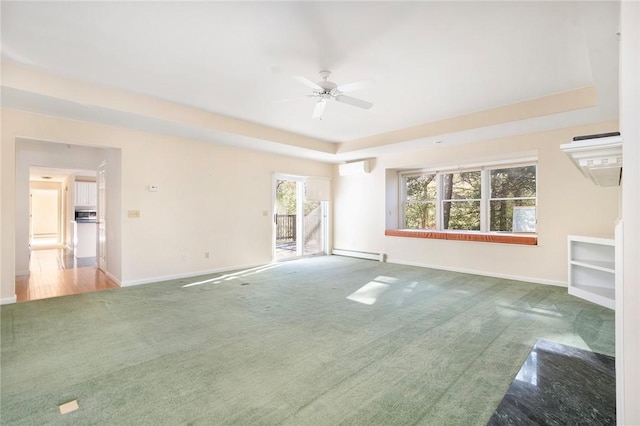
<point x="328" y="87"/>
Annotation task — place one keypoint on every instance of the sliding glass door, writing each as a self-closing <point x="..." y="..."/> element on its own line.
<point x="300" y="225"/>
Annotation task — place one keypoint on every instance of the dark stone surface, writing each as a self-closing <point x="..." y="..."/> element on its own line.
<point x="560" y="385"/>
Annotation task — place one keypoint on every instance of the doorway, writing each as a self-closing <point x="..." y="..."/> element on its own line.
<point x="300" y="224"/>
<point x="40" y="274"/>
<point x="61" y="259"/>
<point x="45" y="215"/>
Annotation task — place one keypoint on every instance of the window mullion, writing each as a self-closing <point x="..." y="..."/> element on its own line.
<point x="485" y="191"/>
<point x="439" y="190"/>
<point x="402" y="193"/>
<point x="512" y="198"/>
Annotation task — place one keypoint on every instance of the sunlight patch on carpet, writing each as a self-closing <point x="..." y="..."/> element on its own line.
<point x="369" y="293"/>
<point x="69" y="407"/>
<point x="234" y="275"/>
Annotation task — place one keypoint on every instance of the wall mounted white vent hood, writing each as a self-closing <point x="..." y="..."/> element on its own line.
<point x="598" y="157"/>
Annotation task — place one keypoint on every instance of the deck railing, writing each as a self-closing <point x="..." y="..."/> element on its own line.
<point x="285" y="227"/>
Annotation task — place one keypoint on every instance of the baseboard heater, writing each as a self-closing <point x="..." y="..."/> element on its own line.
<point x="359" y="254"/>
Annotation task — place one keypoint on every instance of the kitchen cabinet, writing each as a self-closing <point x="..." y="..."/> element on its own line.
<point x="86" y="194"/>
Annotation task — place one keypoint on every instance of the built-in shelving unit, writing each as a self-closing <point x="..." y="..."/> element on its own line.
<point x="592" y="269"/>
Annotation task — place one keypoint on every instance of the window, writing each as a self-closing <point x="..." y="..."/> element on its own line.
<point x="461" y="197"/>
<point x="490" y="199"/>
<point x="512" y="201"/>
<point x="420" y="201"/>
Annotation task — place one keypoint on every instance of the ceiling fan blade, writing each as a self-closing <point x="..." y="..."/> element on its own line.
<point x="307" y="82"/>
<point x="319" y="109"/>
<point x="287" y="100"/>
<point x="356" y="85"/>
<point x="354" y="101"/>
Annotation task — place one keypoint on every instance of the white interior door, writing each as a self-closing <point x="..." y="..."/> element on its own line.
<point x="101" y="211"/>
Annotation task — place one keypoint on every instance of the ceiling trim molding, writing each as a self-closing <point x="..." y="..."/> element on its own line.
<point x="192" y="123"/>
<point x="571" y="100"/>
<point x="89" y="95"/>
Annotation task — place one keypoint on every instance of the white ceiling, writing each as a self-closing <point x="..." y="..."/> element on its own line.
<point x="430" y="60"/>
<point x="55" y="174"/>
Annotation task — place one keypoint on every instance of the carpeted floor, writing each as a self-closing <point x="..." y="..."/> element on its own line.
<point x="318" y="341"/>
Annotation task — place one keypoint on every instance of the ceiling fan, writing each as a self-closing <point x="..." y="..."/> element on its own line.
<point x="326" y="90"/>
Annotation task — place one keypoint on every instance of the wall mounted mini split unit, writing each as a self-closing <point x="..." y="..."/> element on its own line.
<point x="354" y="168"/>
<point x="598" y="157"/>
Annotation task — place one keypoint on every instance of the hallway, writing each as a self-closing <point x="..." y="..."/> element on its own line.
<point x="56" y="272"/>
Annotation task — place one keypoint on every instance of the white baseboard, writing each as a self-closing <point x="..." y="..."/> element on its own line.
<point x="130" y="283"/>
<point x="113" y="278"/>
<point x="8" y="300"/>
<point x="359" y="254"/>
<point x="483" y="273"/>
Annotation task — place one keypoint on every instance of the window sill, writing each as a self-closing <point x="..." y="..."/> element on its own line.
<point x="527" y="240"/>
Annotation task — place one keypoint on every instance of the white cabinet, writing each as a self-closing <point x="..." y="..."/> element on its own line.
<point x="86" y="194"/>
<point x="592" y="269"/>
<point x="85" y="239"/>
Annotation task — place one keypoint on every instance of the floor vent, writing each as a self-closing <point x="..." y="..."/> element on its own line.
<point x="360" y="254"/>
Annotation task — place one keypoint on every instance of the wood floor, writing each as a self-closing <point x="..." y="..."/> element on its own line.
<point x="56" y="272"/>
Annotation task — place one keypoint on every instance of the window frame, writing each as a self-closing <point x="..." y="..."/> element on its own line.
<point x="485" y="193"/>
<point x="454" y="200"/>
<point x="403" y="195"/>
<point x="489" y="199"/>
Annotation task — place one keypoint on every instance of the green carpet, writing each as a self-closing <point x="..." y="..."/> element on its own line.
<point x="318" y="341"/>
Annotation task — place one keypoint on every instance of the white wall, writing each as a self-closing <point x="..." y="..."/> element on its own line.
<point x="628" y="308"/>
<point x="568" y="203"/>
<point x="7" y="216"/>
<point x="211" y="198"/>
<point x="69" y="196"/>
<point x="114" y="214"/>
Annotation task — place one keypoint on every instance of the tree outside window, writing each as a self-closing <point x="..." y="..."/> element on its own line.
<point x="461" y="200"/>
<point x="420" y="201"/>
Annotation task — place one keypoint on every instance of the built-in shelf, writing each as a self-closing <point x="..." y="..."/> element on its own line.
<point x="592" y="269"/>
<point x="598" y="265"/>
